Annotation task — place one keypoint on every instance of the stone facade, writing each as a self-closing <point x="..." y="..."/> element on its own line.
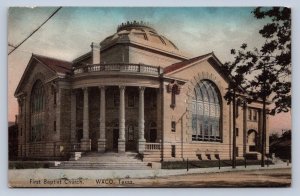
<point x="124" y="103"/>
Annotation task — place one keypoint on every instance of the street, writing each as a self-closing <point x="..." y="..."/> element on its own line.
<point x="258" y="178"/>
<point x="272" y="177"/>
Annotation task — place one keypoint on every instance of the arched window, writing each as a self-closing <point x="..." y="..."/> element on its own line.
<point x="206" y="112"/>
<point x="37" y="103"/>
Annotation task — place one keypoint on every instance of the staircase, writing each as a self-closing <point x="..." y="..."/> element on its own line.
<point x="152" y="152"/>
<point x="106" y="161"/>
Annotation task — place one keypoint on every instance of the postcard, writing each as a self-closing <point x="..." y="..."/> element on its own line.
<point x="149" y="97"/>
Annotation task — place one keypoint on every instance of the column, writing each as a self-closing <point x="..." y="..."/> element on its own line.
<point x="85" y="141"/>
<point x="141" y="141"/>
<point x="121" y="140"/>
<point x="102" y="139"/>
<point x="58" y="114"/>
<point x="73" y="116"/>
<point x="20" y="126"/>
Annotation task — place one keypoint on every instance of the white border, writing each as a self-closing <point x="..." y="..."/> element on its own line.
<point x="4" y="190"/>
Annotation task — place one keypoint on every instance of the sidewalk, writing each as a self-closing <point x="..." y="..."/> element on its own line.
<point x="25" y="174"/>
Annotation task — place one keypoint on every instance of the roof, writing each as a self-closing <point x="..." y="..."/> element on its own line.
<point x="82" y="57"/>
<point x="182" y="64"/>
<point x="57" y="65"/>
<point x="140" y="34"/>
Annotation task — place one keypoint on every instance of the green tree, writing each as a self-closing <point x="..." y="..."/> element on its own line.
<point x="264" y="74"/>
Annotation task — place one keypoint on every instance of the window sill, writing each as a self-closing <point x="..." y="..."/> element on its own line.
<point x="252" y="120"/>
<point x="206" y="142"/>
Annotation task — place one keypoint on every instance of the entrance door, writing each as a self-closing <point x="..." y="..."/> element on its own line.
<point x="153" y="135"/>
<point x="79" y="135"/>
<point x="94" y="140"/>
<point x="115" y="139"/>
<point x="130" y="139"/>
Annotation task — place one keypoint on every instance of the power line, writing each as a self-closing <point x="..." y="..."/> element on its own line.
<point x="35" y="30"/>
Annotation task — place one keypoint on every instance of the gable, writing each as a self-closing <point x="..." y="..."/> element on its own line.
<point x="42" y="67"/>
<point x="206" y="64"/>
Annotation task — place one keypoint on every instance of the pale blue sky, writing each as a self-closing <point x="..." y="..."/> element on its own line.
<point x="194" y="30"/>
<point x="68" y="34"/>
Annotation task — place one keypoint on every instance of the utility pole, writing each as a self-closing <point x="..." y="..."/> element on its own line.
<point x="234" y="131"/>
<point x="263" y="135"/>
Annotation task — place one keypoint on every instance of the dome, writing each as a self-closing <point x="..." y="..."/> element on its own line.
<point x="140" y="33"/>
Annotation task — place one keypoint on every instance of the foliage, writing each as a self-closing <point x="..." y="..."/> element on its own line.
<point x="282" y="145"/>
<point x="265" y="73"/>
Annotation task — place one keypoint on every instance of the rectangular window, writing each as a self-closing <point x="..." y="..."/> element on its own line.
<point x="210" y="131"/>
<point x="173" y="99"/>
<point x="255" y="115"/>
<point x="54" y="126"/>
<point x="130" y="100"/>
<point x="201" y="131"/>
<point x="173" y="126"/>
<point x="236" y="110"/>
<point x="54" y="97"/>
<point x="237" y="131"/>
<point x="173" y="151"/>
<point x="130" y="133"/>
<point x="116" y="99"/>
<point x="154" y="100"/>
<point x="249" y="114"/>
<point x="252" y="148"/>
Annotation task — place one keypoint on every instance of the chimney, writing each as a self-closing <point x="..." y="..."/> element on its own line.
<point x="95" y="53"/>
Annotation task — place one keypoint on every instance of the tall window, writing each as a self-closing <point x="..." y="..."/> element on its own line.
<point x="130" y="133"/>
<point x="116" y="99"/>
<point x="131" y="100"/>
<point x="206" y="112"/>
<point x="173" y="98"/>
<point x="54" y="97"/>
<point x="173" y="126"/>
<point x="37" y="103"/>
<point x="173" y="151"/>
<point x="255" y="115"/>
<point x="249" y="114"/>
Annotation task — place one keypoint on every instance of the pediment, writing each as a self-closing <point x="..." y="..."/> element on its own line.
<point x="34" y="69"/>
<point x="185" y="67"/>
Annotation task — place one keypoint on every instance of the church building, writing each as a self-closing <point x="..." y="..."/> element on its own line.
<point x="135" y="91"/>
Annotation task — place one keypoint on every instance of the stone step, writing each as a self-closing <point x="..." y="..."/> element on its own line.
<point x="110" y="160"/>
<point x="135" y="164"/>
<point x="104" y="168"/>
<point x="89" y="165"/>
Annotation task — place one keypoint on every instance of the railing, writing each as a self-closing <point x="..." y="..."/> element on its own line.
<point x="45" y="148"/>
<point x="206" y="138"/>
<point x="49" y="148"/>
<point x="152" y="146"/>
<point x="135" y="68"/>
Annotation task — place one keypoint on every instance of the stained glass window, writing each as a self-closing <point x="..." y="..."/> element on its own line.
<point x="37" y="104"/>
<point x="206" y="112"/>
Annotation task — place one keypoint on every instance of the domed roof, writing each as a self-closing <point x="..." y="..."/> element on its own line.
<point x="140" y="33"/>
